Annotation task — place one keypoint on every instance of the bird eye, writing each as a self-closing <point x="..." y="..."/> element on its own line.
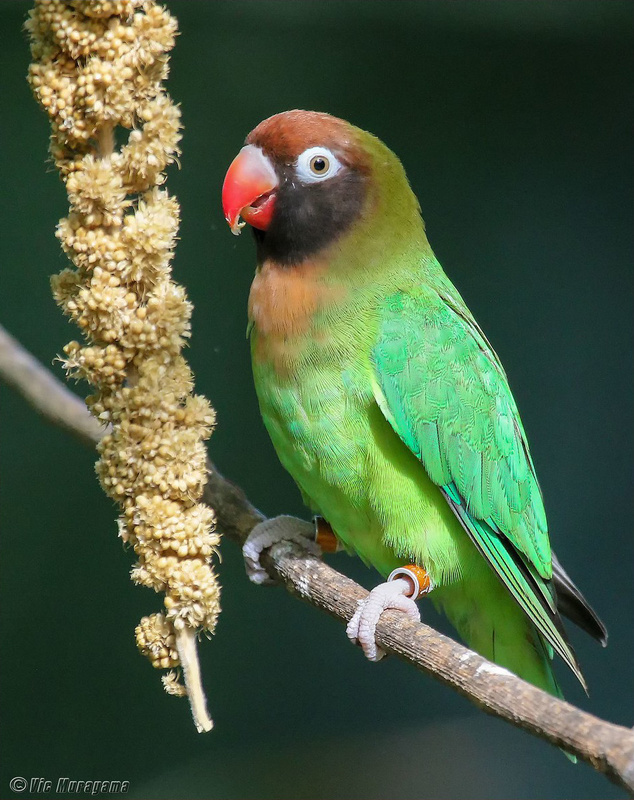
<point x="319" y="164"/>
<point x="316" y="164"/>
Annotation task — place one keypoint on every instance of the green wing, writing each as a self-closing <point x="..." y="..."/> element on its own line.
<point x="443" y="390"/>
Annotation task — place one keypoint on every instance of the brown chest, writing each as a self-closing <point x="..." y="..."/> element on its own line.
<point x="283" y="303"/>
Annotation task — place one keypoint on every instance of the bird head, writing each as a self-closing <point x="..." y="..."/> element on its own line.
<point x="303" y="179"/>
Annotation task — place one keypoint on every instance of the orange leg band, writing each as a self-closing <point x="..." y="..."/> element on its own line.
<point x="417" y="576"/>
<point x="325" y="537"/>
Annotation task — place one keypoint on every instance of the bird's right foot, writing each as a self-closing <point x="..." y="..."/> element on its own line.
<point x="268" y="533"/>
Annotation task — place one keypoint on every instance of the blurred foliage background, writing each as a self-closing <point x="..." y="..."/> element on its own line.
<point x="513" y="121"/>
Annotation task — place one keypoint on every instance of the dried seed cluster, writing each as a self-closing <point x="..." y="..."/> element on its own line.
<point x="155" y="639"/>
<point x="98" y="67"/>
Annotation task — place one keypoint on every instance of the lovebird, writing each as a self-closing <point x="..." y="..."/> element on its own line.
<point x="386" y="402"/>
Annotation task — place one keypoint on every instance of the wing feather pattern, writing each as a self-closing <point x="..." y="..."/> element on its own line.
<point x="443" y="390"/>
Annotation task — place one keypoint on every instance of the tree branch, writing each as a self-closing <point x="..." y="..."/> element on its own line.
<point x="44" y="392"/>
<point x="609" y="748"/>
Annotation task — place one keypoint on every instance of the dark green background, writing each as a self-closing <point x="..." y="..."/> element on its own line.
<point x="513" y="121"/>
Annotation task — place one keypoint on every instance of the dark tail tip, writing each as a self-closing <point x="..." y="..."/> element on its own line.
<point x="572" y="604"/>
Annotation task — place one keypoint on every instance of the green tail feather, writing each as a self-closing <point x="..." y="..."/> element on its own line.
<point x="532" y="593"/>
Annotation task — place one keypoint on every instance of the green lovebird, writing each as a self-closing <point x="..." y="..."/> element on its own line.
<point x="385" y="401"/>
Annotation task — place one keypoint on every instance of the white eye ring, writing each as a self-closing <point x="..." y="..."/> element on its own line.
<point x="312" y="158"/>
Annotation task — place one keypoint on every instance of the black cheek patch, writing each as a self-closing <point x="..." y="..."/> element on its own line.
<point x="309" y="217"/>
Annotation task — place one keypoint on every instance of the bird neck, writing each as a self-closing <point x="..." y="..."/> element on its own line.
<point x="297" y="310"/>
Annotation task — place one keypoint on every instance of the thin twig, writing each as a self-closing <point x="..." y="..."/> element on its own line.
<point x="188" y="656"/>
<point x="609" y="748"/>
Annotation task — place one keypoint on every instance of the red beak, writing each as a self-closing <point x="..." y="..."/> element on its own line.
<point x="249" y="190"/>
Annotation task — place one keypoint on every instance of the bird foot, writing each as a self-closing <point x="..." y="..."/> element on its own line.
<point x="268" y="533"/>
<point x="403" y="587"/>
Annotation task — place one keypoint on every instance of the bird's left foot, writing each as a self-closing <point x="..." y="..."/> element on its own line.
<point x="404" y="586"/>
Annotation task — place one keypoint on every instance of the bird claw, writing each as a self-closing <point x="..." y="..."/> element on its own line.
<point x="361" y="629"/>
<point x="268" y="533"/>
